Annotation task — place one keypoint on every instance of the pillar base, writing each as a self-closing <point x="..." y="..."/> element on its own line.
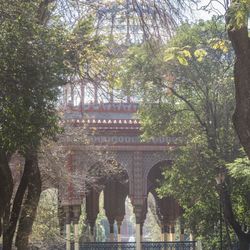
<point x="76" y="236"/>
<point x="119" y="238"/>
<point x="182" y="238"/>
<point x="68" y="236"/>
<point x="191" y="237"/>
<point x="111" y="237"/>
<point x="138" y="236"/>
<point x="172" y="237"/>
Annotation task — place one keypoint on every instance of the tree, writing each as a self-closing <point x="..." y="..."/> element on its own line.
<point x="32" y="68"/>
<point x="36" y="59"/>
<point x="237" y="26"/>
<point x="187" y="91"/>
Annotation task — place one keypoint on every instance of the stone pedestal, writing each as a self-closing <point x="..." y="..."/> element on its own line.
<point x="68" y="235"/>
<point x="119" y="236"/>
<point x="172" y="233"/>
<point x="76" y="216"/>
<point x="76" y="236"/>
<point x="111" y="230"/>
<point x="138" y="236"/>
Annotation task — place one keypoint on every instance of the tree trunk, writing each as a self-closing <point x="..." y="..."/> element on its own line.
<point x="6" y="186"/>
<point x="17" y="204"/>
<point x="28" y="212"/>
<point x="241" y="44"/>
<point x="229" y="242"/>
<point x="243" y="237"/>
<point x="29" y="208"/>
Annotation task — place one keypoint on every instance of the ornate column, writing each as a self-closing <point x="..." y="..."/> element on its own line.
<point x="182" y="235"/>
<point x="138" y="236"/>
<point x="138" y="210"/>
<point x="92" y="209"/>
<point x="169" y="211"/>
<point x="143" y="218"/>
<point x="119" y="220"/>
<point x="166" y="232"/>
<point x="76" y="215"/>
<point x="172" y="232"/>
<point x="162" y="232"/>
<point x="122" y="189"/>
<point x="162" y="214"/>
<point x="138" y="194"/>
<point x="68" y="224"/>
<point x="141" y="230"/>
<point x="115" y="194"/>
<point x="119" y="236"/>
<point x="91" y="230"/>
<point x="191" y="237"/>
<point x="111" y="229"/>
<point x="110" y="204"/>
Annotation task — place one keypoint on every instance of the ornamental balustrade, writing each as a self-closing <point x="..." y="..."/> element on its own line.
<point x="185" y="245"/>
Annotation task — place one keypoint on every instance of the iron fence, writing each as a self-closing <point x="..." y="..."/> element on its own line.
<point x="184" y="245"/>
<point x="108" y="246"/>
<point x="175" y="245"/>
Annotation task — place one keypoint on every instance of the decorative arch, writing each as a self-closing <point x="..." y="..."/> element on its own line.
<point x="155" y="174"/>
<point x="151" y="159"/>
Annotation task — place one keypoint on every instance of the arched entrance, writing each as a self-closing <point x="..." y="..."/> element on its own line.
<point x="117" y="133"/>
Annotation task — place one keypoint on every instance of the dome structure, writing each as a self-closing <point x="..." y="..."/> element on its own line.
<point x="124" y="22"/>
<point x="132" y="21"/>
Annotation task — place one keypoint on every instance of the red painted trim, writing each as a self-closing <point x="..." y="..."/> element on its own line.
<point x="102" y="110"/>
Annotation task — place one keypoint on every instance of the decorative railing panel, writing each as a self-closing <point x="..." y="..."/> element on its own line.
<point x="108" y="246"/>
<point x="186" y="245"/>
<point x="132" y="245"/>
<point x="178" y="245"/>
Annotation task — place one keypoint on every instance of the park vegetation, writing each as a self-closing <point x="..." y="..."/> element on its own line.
<point x="190" y="87"/>
<point x="187" y="90"/>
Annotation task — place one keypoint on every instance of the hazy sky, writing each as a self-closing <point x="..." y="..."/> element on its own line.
<point x="213" y="9"/>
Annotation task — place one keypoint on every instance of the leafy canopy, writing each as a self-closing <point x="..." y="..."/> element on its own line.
<point x="187" y="91"/>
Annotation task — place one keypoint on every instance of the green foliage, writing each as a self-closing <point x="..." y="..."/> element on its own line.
<point x="191" y="180"/>
<point x="36" y="60"/>
<point x="240" y="172"/>
<point x="31" y="70"/>
<point x="240" y="169"/>
<point x="46" y="227"/>
<point x="238" y="14"/>
<point x="187" y="91"/>
<point x="85" y="51"/>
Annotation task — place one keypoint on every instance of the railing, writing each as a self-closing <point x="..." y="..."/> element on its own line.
<point x="184" y="245"/>
<point x="175" y="245"/>
<point x="108" y="246"/>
